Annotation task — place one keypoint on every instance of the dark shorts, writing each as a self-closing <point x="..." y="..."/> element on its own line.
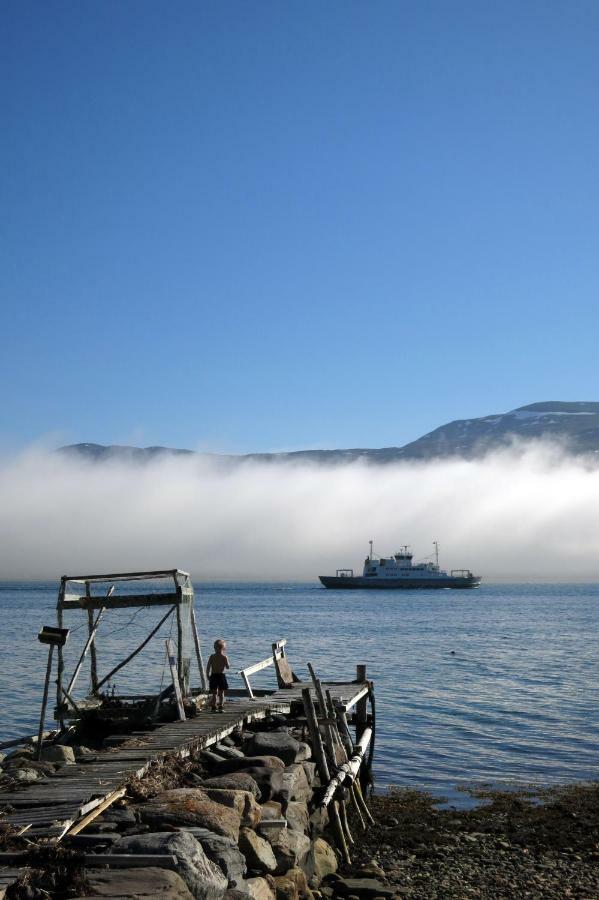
<point x="218" y="681"/>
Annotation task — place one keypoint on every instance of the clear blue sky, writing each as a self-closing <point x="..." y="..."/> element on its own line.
<point x="264" y="225"/>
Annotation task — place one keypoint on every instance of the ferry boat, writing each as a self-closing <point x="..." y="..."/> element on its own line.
<point x="398" y="572"/>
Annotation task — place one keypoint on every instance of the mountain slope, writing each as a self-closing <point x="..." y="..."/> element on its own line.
<point x="575" y="425"/>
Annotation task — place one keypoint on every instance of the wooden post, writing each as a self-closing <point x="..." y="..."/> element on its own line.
<point x="173" y="667"/>
<point x="89" y="643"/>
<point x="40" y="733"/>
<point x="321" y="762"/>
<point x="180" y="672"/>
<point x="361" y="705"/>
<point x="60" y="669"/>
<point x="196" y="641"/>
<point x="93" y="657"/>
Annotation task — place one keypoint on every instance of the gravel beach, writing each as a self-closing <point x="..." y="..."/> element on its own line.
<point x="512" y="845"/>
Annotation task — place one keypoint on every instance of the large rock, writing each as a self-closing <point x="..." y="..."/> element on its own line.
<point x="133" y="883"/>
<point x="190" y="806"/>
<point x="292" y="849"/>
<point x="228" y="752"/>
<point x="243" y="801"/>
<point x="260" y="889"/>
<point x="319" y="820"/>
<point x="272" y="809"/>
<point x="224" y="852"/>
<point x="310" y="770"/>
<point x="292" y="885"/>
<point x="236" y="781"/>
<point x="248" y="762"/>
<point x="269" y="781"/>
<point x="362" y="887"/>
<point x="297" y="816"/>
<point x="204" y="879"/>
<point x="295" y="784"/>
<point x="258" y="852"/>
<point x="25" y="776"/>
<point x="59" y="754"/>
<point x="274" y="743"/>
<point x="324" y="860"/>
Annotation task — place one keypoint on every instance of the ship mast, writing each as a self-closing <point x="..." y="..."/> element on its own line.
<point x="370" y="554"/>
<point x="436" y="545"/>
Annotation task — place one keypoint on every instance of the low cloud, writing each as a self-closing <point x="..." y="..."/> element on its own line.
<point x="523" y="513"/>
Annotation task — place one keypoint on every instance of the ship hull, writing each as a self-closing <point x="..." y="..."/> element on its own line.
<point x="397" y="584"/>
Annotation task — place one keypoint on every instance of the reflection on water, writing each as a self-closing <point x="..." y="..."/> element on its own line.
<point x="517" y="699"/>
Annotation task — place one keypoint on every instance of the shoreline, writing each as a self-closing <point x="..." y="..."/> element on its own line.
<point x="188" y="828"/>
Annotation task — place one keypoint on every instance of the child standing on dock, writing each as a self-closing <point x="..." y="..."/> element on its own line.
<point x="215" y="670"/>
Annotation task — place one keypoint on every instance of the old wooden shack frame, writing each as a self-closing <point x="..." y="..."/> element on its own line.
<point x="181" y="595"/>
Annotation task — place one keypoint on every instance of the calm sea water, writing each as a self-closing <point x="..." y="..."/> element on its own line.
<point x="517" y="702"/>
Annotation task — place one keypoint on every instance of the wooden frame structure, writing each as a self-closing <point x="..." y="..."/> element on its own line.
<point x="97" y="600"/>
<point x="278" y="660"/>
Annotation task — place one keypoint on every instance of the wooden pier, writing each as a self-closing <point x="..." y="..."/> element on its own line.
<point x="54" y="806"/>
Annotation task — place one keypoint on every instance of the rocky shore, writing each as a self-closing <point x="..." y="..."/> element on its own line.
<point x="524" y="844"/>
<point x="243" y="820"/>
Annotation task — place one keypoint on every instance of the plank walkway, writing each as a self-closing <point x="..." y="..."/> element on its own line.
<point x="54" y="804"/>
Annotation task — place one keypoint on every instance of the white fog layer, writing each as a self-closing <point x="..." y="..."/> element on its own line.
<point x="519" y="514"/>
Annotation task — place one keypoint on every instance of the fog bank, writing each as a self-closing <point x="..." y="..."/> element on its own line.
<point x="524" y="513"/>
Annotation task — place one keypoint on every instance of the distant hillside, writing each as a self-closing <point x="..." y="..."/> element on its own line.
<point x="576" y="425"/>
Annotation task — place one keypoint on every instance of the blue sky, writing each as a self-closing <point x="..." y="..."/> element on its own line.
<point x="253" y="226"/>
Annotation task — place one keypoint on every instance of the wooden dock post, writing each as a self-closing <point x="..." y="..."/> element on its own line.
<point x="196" y="641"/>
<point x="40" y="733"/>
<point x="361" y="705"/>
<point x="323" y="768"/>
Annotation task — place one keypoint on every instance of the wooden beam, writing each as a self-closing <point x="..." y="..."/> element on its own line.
<point x="82" y="823"/>
<point x="122" y="601"/>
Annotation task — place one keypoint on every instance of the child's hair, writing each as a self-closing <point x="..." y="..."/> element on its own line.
<point x="219" y="644"/>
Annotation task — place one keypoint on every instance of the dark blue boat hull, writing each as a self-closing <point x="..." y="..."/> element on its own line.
<point x="398" y="584"/>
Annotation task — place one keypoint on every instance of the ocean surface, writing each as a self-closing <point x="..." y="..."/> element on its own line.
<point x="516" y="702"/>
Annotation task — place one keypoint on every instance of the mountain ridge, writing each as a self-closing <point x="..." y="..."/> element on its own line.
<point x="575" y="424"/>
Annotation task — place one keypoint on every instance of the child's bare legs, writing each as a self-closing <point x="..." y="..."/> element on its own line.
<point x="215" y="692"/>
<point x="221" y="698"/>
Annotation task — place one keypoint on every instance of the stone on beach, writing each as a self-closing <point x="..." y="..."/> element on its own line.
<point x="362" y="887"/>
<point x="260" y="889"/>
<point x="204" y="879"/>
<point x="190" y="806"/>
<point x="297" y="815"/>
<point x="292" y="885"/>
<point x="225" y="766"/>
<point x="280" y="744"/>
<point x="26" y="776"/>
<point x="59" y="753"/>
<point x="243" y="801"/>
<point x="236" y="781"/>
<point x="269" y="781"/>
<point x="325" y="860"/>
<point x="295" y="784"/>
<point x="224" y="852"/>
<point x="292" y="849"/>
<point x="133" y="883"/>
<point x="228" y="752"/>
<point x="257" y="851"/>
